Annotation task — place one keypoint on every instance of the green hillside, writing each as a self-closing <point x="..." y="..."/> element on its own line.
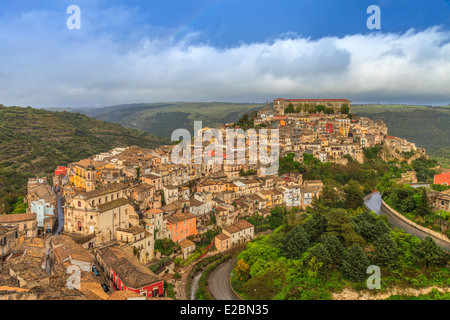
<point x="428" y="127"/>
<point x="163" y="118"/>
<point x="35" y="141"/>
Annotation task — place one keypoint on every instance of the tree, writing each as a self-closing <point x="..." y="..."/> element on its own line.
<point x="354" y="195"/>
<point x="365" y="225"/>
<point x="277" y="217"/>
<point x="138" y="172"/>
<point x="321" y="255"/>
<point x="242" y="270"/>
<point x="320" y="108"/>
<point x="428" y="254"/>
<point x="295" y="243"/>
<point x="315" y="226"/>
<point x="355" y="263"/>
<point x="339" y="223"/>
<point x="345" y="109"/>
<point x="289" y="108"/>
<point x="386" y="250"/>
<point x="424" y="206"/>
<point x="328" y="111"/>
<point x="329" y="196"/>
<point x="334" y="247"/>
<point x="263" y="287"/>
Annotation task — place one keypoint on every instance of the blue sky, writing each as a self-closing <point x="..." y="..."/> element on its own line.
<point x="223" y="50"/>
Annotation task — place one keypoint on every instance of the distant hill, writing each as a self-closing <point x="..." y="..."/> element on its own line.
<point x="35" y="141"/>
<point x="428" y="127"/>
<point x="163" y="118"/>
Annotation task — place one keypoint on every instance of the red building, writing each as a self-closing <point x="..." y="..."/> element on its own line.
<point x="443" y="178"/>
<point x="329" y="128"/>
<point x="61" y="170"/>
<point x="127" y="273"/>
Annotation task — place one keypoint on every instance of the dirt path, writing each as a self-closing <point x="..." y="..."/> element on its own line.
<point x="350" y="294"/>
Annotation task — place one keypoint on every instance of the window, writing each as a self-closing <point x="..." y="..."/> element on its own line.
<point x="79" y="203"/>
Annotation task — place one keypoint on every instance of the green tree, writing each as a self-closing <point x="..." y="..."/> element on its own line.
<point x="321" y="255"/>
<point x="386" y="250"/>
<point x="289" y="108"/>
<point x="354" y="195"/>
<point x="295" y="243"/>
<point x="365" y="225"/>
<point x="355" y="263"/>
<point x="315" y="226"/>
<point x="138" y="172"/>
<point x="328" y="111"/>
<point x="424" y="206"/>
<point x="428" y="254"/>
<point x="345" y="109"/>
<point x="339" y="223"/>
<point x="277" y="217"/>
<point x="329" y="196"/>
<point x="334" y="247"/>
<point x="320" y="108"/>
<point x="263" y="287"/>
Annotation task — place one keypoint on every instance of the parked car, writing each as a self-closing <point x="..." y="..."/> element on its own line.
<point x="105" y="288"/>
<point x="94" y="269"/>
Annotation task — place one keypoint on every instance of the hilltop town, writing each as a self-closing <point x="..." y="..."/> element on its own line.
<point x="130" y="219"/>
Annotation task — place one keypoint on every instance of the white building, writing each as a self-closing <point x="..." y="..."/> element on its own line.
<point x="42" y="211"/>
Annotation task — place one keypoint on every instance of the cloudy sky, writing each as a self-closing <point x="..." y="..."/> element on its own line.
<point x="223" y="50"/>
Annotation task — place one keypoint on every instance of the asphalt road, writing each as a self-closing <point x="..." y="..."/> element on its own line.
<point x="373" y="202"/>
<point x="219" y="282"/>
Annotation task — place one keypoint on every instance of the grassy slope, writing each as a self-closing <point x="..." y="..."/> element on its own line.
<point x="35" y="141"/>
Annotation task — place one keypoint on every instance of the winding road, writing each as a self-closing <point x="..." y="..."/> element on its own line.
<point x="373" y="202"/>
<point x="219" y="282"/>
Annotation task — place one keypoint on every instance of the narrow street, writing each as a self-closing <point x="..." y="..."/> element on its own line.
<point x="60" y="217"/>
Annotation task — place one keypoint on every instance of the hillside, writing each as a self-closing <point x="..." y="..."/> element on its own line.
<point x="428" y="127"/>
<point x="35" y="141"/>
<point x="163" y="118"/>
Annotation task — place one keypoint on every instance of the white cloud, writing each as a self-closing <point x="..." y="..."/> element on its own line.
<point x="48" y="66"/>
